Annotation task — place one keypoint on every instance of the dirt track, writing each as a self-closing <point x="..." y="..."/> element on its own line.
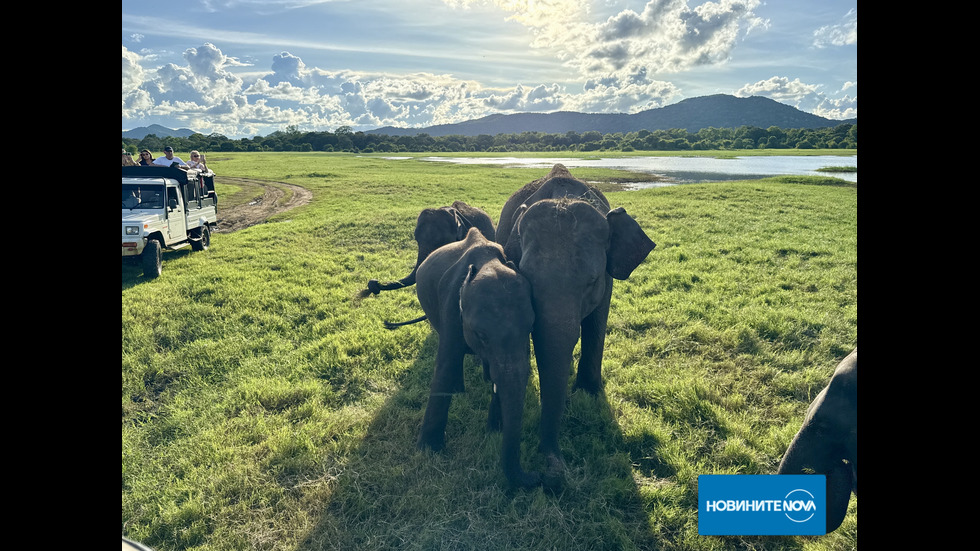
<point x="256" y="211"/>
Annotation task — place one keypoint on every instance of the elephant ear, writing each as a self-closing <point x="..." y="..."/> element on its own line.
<point x="512" y="249"/>
<point x="628" y="245"/>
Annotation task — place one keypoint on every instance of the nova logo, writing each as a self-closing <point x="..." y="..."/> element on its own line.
<point x="761" y="505"/>
<point x="799" y="506"/>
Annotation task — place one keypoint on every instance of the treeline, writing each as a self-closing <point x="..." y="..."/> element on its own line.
<point x="842" y="136"/>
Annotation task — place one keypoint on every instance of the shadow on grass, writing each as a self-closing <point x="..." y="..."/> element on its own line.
<point x="132" y="268"/>
<point x="390" y="495"/>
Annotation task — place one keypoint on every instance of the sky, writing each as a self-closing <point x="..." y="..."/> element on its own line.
<point x="246" y="68"/>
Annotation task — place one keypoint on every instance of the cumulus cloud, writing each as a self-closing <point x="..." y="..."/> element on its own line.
<point x="135" y="100"/>
<point x="806" y="97"/>
<point x="619" y="56"/>
<point x="666" y="36"/>
<point x="627" y="91"/>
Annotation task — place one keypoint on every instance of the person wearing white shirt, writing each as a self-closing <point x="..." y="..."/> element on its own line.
<point x="168" y="158"/>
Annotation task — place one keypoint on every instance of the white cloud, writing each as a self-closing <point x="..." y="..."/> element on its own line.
<point x="132" y="72"/>
<point x="617" y="60"/>
<point x="841" y="34"/>
<point x="627" y="91"/>
<point x="806" y="97"/>
<point x="668" y="35"/>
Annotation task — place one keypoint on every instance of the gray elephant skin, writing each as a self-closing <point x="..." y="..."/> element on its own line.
<point x="478" y="303"/>
<point x="433" y="229"/>
<point x="827" y="442"/>
<point x="570" y="245"/>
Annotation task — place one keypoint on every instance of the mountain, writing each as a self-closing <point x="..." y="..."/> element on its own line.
<point x="693" y="114"/>
<point x="161" y="132"/>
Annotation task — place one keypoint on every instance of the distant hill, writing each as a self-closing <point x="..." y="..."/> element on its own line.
<point x="160" y="131"/>
<point x="693" y="114"/>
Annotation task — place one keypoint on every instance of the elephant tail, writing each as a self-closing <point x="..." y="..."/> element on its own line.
<point x="393" y="325"/>
<point x="374" y="287"/>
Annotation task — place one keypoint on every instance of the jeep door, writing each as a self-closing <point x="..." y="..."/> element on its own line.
<point x="176" y="217"/>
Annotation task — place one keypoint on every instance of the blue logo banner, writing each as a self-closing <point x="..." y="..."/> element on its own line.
<point x="762" y="505"/>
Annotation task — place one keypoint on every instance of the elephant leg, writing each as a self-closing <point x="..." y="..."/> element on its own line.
<point x="589" y="376"/>
<point x="446" y="380"/>
<point x="433" y="433"/>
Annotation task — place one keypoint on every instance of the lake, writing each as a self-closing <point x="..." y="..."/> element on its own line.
<point x="668" y="171"/>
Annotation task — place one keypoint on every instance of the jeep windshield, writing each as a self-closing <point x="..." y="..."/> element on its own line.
<point x="143" y="196"/>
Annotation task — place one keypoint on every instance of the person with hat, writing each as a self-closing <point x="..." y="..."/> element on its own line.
<point x="168" y="158"/>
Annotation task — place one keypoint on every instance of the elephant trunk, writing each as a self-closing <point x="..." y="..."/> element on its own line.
<point x="510" y="387"/>
<point x="554" y="343"/>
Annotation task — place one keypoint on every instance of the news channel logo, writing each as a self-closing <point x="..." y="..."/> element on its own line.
<point x="762" y="505"/>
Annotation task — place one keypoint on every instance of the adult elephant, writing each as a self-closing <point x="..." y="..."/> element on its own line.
<point x="569" y="244"/>
<point x="433" y="229"/>
<point x="827" y="442"/>
<point x="478" y="303"/>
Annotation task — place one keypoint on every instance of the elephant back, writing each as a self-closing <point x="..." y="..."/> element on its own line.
<point x="557" y="184"/>
<point x="473" y="217"/>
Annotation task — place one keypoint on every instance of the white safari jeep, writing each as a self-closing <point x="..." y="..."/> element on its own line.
<point x="165" y="207"/>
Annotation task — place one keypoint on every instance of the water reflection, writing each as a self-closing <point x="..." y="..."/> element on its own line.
<point x="684" y="170"/>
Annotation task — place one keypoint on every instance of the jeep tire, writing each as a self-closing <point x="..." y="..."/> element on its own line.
<point x="202" y="239"/>
<point x="152" y="259"/>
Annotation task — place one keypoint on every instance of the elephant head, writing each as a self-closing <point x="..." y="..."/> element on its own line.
<point x="827" y="442"/>
<point x="479" y="303"/>
<point x="570" y="246"/>
<point x="433" y="229"/>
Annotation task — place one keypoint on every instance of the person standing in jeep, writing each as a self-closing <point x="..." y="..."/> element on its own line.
<point x="168" y="158"/>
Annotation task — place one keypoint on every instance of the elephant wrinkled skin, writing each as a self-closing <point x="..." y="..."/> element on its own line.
<point x="478" y="303"/>
<point x="433" y="229"/>
<point x="827" y="442"/>
<point x="567" y="242"/>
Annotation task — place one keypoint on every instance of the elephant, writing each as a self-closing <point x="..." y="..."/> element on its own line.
<point x="433" y="229"/>
<point x="827" y="442"/>
<point x="567" y="242"/>
<point x="478" y="303"/>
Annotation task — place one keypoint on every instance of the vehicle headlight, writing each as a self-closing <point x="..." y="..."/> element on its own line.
<point x="132" y="230"/>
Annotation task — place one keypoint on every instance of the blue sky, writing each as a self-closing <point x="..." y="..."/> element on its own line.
<point x="250" y="67"/>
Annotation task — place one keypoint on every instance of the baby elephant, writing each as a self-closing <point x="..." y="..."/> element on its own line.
<point x="480" y="304"/>
<point x="433" y="229"/>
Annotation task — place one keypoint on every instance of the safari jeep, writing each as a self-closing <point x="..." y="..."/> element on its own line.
<point x="165" y="207"/>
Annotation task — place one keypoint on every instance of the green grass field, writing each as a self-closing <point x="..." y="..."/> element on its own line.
<point x="265" y="407"/>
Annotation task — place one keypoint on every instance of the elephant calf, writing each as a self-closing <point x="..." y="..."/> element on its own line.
<point x="433" y="229"/>
<point x="478" y="303"/>
<point x="827" y="442"/>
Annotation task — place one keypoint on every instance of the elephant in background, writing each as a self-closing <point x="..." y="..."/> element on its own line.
<point x="433" y="229"/>
<point x="567" y="242"/>
<point x="478" y="303"/>
<point x="827" y="442"/>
